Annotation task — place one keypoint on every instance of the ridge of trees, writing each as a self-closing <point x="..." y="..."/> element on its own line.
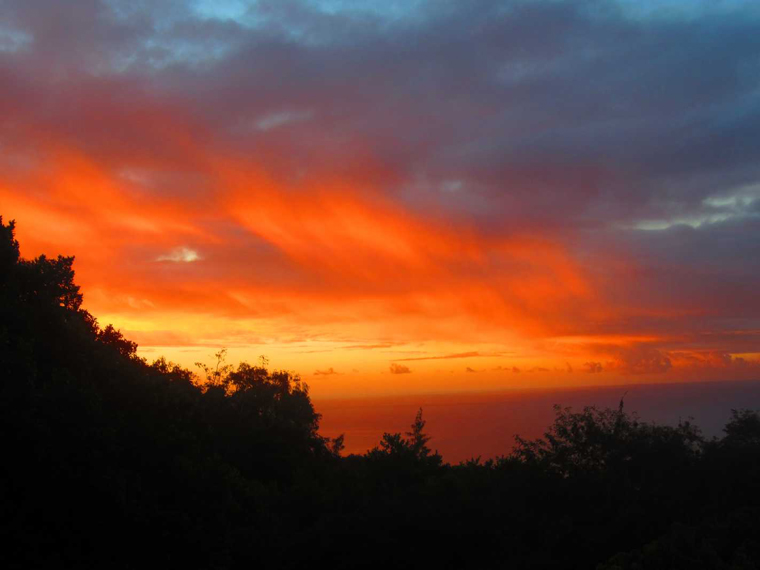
<point x="111" y="461"/>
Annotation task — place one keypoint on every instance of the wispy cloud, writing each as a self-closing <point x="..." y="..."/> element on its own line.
<point x="455" y="355"/>
<point x="367" y="346"/>
<point x="281" y="118"/>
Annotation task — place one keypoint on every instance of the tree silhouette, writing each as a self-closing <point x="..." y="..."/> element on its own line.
<point x="743" y="429"/>
<point x="417" y="439"/>
<point x="218" y="376"/>
<point x="398" y="461"/>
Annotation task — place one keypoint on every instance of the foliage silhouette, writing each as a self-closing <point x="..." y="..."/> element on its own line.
<point x="111" y="461"/>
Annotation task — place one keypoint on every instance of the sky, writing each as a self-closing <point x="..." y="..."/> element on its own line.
<point x="399" y="197"/>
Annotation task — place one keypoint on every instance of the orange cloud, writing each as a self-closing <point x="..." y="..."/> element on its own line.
<point x="247" y="258"/>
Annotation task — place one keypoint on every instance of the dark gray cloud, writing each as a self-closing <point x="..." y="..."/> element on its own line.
<point x="558" y="112"/>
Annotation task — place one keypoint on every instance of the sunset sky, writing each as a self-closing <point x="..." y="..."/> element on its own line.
<point x="399" y="196"/>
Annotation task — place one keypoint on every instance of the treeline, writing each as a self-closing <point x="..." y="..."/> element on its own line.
<point x="113" y="462"/>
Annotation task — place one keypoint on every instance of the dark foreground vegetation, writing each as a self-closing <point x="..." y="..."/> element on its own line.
<point x="111" y="462"/>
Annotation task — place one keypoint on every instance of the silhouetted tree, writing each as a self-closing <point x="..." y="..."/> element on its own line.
<point x="743" y="429"/>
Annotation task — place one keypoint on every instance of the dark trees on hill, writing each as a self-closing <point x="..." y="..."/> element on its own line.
<point x="110" y="461"/>
<point x="109" y="456"/>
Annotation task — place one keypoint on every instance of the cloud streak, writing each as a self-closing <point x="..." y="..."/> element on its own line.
<point x="473" y="354"/>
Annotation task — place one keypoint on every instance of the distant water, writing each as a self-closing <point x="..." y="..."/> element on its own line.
<point x="479" y="424"/>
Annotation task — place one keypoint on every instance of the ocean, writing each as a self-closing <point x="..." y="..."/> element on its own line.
<point x="472" y="424"/>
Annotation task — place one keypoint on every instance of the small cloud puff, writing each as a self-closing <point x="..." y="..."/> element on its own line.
<point x="180" y="255"/>
<point x="592" y="367"/>
<point x="330" y="371"/>
<point x="399" y="369"/>
<point x="506" y="369"/>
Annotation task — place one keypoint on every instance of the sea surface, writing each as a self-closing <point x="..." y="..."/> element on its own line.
<point x="467" y="425"/>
